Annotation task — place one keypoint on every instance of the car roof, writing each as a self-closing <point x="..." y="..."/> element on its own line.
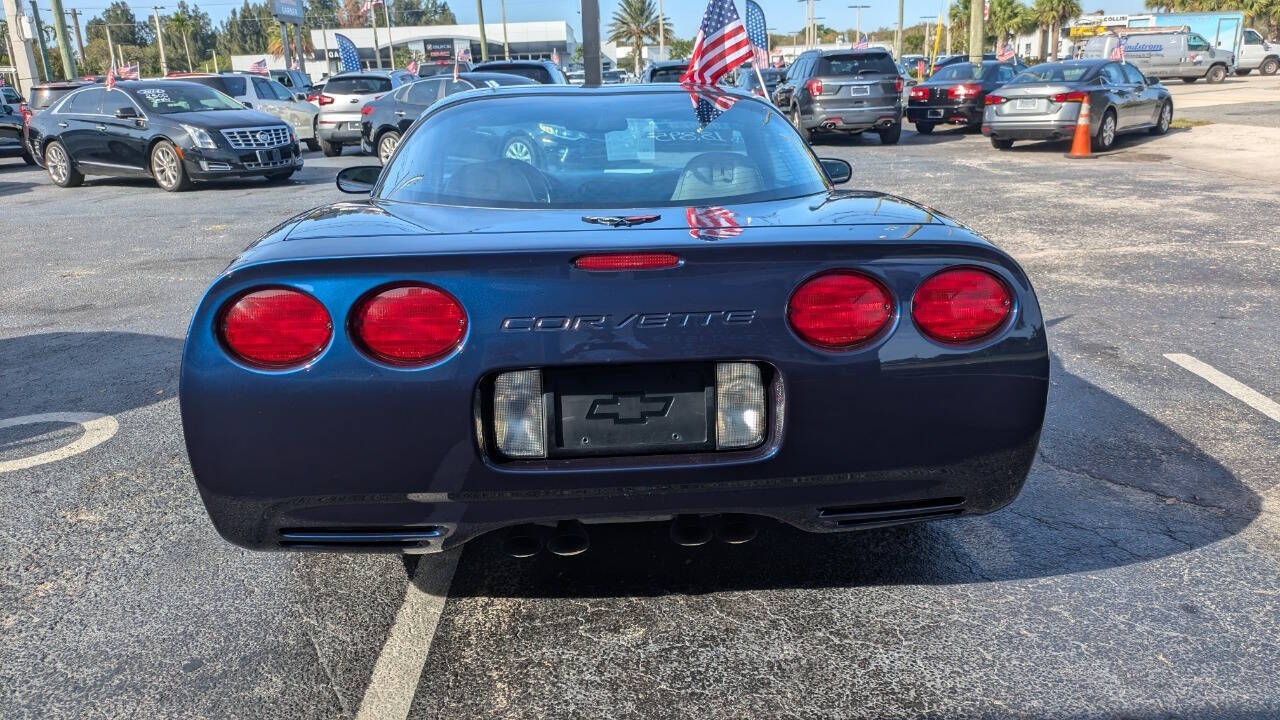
<point x="367" y="73"/>
<point x="668" y="63"/>
<point x="516" y="63"/>
<point x="495" y="76"/>
<point x="850" y="51"/>
<point x="627" y="89"/>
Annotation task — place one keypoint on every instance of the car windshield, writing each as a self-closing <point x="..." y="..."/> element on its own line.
<point x="182" y="97"/>
<point x="856" y="64"/>
<point x="358" y="85"/>
<point x="561" y="151"/>
<point x="1052" y="72"/>
<point x="958" y="71"/>
<point x="667" y="74"/>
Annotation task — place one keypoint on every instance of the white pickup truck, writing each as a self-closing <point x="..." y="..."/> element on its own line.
<point x="1257" y="54"/>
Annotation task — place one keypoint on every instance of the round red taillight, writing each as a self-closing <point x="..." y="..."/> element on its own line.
<point x="409" y="324"/>
<point x="961" y="305"/>
<point x="839" y="309"/>
<point x="276" y="327"/>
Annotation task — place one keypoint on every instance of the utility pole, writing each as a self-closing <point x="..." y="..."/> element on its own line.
<point x="484" y="42"/>
<point x="164" y="63"/>
<point x="591" y="41"/>
<point x="662" y="33"/>
<point x="64" y="44"/>
<point x="284" y="43"/>
<point x="44" y="54"/>
<point x="897" y="34"/>
<point x="21" y="56"/>
<point x="924" y="49"/>
<point x="391" y="44"/>
<point x="377" y="47"/>
<point x="506" y="49"/>
<point x="111" y="46"/>
<point x="977" y="31"/>
<point x="75" y="25"/>
<point x="859" y="8"/>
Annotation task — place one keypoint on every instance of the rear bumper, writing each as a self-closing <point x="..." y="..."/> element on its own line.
<point x="827" y="117"/>
<point x="341" y="131"/>
<point x="966" y="114"/>
<point x="1055" y="129"/>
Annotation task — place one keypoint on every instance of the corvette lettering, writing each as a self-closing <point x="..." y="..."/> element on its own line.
<point x="562" y="323"/>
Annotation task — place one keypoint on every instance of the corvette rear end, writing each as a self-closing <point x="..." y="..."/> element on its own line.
<point x="405" y="376"/>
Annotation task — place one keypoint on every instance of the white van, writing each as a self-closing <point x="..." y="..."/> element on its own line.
<point x="1178" y="54"/>
<point x="1257" y="54"/>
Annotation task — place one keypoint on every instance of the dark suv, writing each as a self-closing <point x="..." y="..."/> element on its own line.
<point x="539" y="71"/>
<point x="849" y="91"/>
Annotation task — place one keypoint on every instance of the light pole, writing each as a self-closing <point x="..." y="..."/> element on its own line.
<point x="924" y="49"/>
<point x="897" y="34"/>
<point x="662" y="33"/>
<point x="977" y="31"/>
<point x="506" y="49"/>
<point x="484" y="42"/>
<point x="859" y="9"/>
<point x="164" y="64"/>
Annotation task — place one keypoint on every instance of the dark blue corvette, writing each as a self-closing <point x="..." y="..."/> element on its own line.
<point x="659" y="320"/>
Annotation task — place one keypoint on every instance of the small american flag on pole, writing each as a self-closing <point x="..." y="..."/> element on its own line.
<point x="555" y="56"/>
<point x="1006" y="53"/>
<point x="129" y="72"/>
<point x="465" y="55"/>
<point x="712" y="223"/>
<point x="412" y="67"/>
<point x="758" y="34"/>
<point x="259" y="67"/>
<point x="709" y="104"/>
<point x="1117" y="53"/>
<point x="862" y="43"/>
<point x="111" y="76"/>
<point x="722" y="44"/>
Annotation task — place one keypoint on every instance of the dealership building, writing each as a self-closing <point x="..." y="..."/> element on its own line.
<point x="443" y="43"/>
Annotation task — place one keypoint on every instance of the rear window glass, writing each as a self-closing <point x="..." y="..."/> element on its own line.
<point x="357" y="85"/>
<point x="643" y="150"/>
<point x="44" y="97"/>
<point x="1053" y="72"/>
<point x="667" y="74"/>
<point x="958" y="71"/>
<point x="425" y="70"/>
<point x="533" y="72"/>
<point x="856" y="64"/>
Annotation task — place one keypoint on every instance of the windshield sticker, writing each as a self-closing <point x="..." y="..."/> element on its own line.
<point x="155" y="96"/>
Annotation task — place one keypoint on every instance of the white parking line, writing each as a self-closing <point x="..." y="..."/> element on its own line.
<point x="97" y="430"/>
<point x="399" y="667"/>
<point x="1229" y="385"/>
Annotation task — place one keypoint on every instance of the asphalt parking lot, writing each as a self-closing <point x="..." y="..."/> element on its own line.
<point x="1136" y="575"/>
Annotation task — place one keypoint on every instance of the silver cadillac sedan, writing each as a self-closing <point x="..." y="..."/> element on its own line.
<point x="1043" y="103"/>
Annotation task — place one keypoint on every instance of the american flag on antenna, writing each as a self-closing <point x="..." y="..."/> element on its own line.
<point x="259" y="67"/>
<point x="129" y="72"/>
<point x="862" y="43"/>
<point x="111" y="76"/>
<point x="555" y="56"/>
<point x="712" y="223"/>
<point x="758" y="34"/>
<point x="412" y="67"/>
<point x="465" y="55"/>
<point x="1117" y="53"/>
<point x="1006" y="53"/>
<point x="369" y="5"/>
<point x="293" y="65"/>
<point x="722" y="44"/>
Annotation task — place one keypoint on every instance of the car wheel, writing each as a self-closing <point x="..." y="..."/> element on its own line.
<point x="1244" y="72"/>
<point x="1166" y="118"/>
<point x="280" y="176"/>
<point x="167" y="169"/>
<point x="313" y="145"/>
<point x="520" y="148"/>
<point x="1216" y="74"/>
<point x="795" y="120"/>
<point x="1189" y="80"/>
<point x="330" y="149"/>
<point x="924" y="128"/>
<point x="1106" y="137"/>
<point x="1269" y="66"/>
<point x="999" y="144"/>
<point x="387" y="145"/>
<point x="62" y="171"/>
<point x="891" y="134"/>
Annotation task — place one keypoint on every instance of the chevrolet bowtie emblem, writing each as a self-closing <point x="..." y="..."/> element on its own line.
<point x="630" y="408"/>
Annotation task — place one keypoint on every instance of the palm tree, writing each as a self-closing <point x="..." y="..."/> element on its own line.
<point x="1053" y="13"/>
<point x="275" y="46"/>
<point x="1008" y="18"/>
<point x="635" y="23"/>
<point x="182" y="24"/>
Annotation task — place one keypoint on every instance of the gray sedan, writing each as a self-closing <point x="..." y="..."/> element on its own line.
<point x="1043" y="103"/>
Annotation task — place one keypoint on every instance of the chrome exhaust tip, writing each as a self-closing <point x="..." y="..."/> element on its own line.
<point x="568" y="539"/>
<point x="690" y="531"/>
<point x="736" y="529"/>
<point x="523" y="541"/>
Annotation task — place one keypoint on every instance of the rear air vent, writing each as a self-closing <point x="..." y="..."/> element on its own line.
<point x="882" y="514"/>
<point x="369" y="538"/>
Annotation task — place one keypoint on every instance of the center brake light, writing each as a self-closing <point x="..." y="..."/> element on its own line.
<point x="627" y="261"/>
<point x="815" y="86"/>
<point x="963" y="91"/>
<point x="409" y="324"/>
<point x="839" y="309"/>
<point x="1066" y="97"/>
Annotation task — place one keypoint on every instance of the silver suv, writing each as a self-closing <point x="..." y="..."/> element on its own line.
<point x="849" y="91"/>
<point x="342" y="101"/>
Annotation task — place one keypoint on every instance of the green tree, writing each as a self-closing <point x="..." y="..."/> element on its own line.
<point x="635" y="23"/>
<point x="1008" y="18"/>
<point x="1052" y="13"/>
<point x="182" y="24"/>
<point x="678" y="49"/>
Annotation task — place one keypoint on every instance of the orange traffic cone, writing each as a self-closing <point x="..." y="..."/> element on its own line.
<point x="1080" y="143"/>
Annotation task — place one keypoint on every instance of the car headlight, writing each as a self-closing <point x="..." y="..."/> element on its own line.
<point x="200" y="137"/>
<point x="561" y="132"/>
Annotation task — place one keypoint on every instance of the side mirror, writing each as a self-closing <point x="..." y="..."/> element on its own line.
<point x="1153" y="80"/>
<point x="838" y="171"/>
<point x="247" y="104"/>
<point x="300" y="97"/>
<point x="126" y="113"/>
<point x="359" y="180"/>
